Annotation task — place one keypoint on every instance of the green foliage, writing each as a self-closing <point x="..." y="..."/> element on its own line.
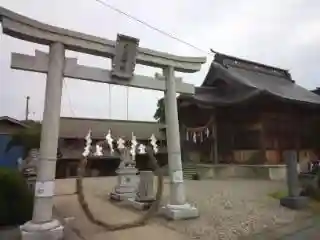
<point x="160" y="112"/>
<point x="16" y="200"/>
<point x="29" y="138"/>
<point x="279" y="194"/>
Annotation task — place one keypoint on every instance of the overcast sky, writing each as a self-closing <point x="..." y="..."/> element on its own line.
<point x="282" y="33"/>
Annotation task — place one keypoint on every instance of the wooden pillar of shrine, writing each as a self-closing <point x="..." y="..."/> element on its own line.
<point x="298" y="137"/>
<point x="214" y="155"/>
<point x="262" y="137"/>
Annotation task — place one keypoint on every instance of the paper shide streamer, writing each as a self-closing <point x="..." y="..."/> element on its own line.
<point x="199" y="134"/>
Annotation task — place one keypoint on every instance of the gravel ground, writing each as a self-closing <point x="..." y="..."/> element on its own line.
<point x="233" y="208"/>
<point x="228" y="208"/>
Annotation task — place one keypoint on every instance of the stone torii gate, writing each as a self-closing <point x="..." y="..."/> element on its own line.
<point x="124" y="53"/>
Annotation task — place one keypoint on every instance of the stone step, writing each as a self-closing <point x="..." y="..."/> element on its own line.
<point x="188" y="171"/>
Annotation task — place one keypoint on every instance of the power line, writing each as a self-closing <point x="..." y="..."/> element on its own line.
<point x="211" y="52"/>
<point x="154" y="28"/>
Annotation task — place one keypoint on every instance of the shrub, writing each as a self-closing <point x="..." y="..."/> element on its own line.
<point x="16" y="200"/>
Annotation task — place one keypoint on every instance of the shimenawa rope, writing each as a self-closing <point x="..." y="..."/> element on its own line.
<point x="114" y="227"/>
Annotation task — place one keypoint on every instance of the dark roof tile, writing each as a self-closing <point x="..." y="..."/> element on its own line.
<point x="246" y="79"/>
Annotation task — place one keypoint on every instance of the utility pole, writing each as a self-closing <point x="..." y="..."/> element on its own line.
<point x="27" y="107"/>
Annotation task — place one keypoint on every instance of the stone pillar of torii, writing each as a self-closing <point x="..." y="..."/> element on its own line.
<point x="125" y="53"/>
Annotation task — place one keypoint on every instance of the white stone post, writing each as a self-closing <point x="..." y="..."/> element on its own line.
<point x="177" y="208"/>
<point x="42" y="225"/>
<point x="146" y="187"/>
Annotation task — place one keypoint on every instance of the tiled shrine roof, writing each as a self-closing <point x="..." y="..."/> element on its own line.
<point x="232" y="80"/>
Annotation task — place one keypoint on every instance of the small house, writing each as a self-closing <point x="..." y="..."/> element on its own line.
<point x="9" y="126"/>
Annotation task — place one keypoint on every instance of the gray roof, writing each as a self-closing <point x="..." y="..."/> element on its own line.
<point x="79" y="127"/>
<point x="277" y="86"/>
<point x="316" y="91"/>
<point x="245" y="79"/>
<point x="14" y="121"/>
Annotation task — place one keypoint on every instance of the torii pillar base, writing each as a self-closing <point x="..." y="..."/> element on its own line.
<point x="52" y="230"/>
<point x="179" y="212"/>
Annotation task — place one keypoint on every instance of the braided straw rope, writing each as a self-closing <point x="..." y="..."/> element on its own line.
<point x="114" y="227"/>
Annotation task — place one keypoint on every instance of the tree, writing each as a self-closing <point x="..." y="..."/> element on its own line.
<point x="160" y="112"/>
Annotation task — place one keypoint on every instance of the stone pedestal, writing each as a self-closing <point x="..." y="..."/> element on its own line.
<point x="127" y="184"/>
<point x="145" y="195"/>
<point x="52" y="230"/>
<point x="293" y="200"/>
<point x="177" y="212"/>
